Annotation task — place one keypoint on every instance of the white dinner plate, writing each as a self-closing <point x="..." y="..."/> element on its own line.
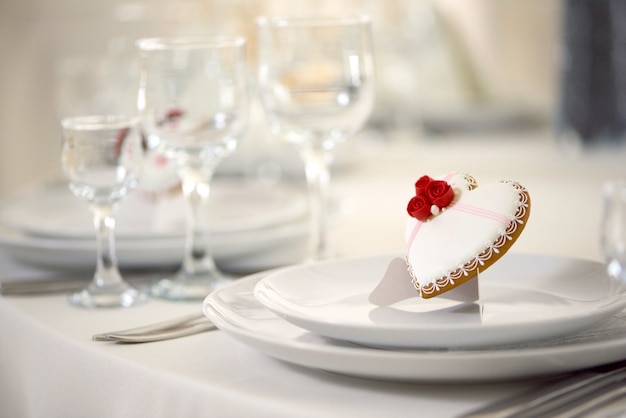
<point x="237" y="251"/>
<point x="523" y="297"/>
<point x="236" y="204"/>
<point x="236" y="311"/>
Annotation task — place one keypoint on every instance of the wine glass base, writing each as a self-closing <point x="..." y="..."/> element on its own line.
<point x="184" y="286"/>
<point x="123" y="296"/>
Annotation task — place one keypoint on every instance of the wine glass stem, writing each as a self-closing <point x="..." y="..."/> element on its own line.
<point x="107" y="272"/>
<point x="317" y="168"/>
<point x="198" y="257"/>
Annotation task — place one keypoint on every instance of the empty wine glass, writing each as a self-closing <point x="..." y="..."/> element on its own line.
<point x="102" y="157"/>
<point x="316" y="82"/>
<point x="613" y="229"/>
<point x="193" y="100"/>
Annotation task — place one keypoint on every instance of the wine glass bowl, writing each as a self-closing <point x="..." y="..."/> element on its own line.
<point x="316" y="78"/>
<point x="193" y="101"/>
<point x="193" y="95"/>
<point x="102" y="157"/>
<point x="316" y="83"/>
<point x="613" y="229"/>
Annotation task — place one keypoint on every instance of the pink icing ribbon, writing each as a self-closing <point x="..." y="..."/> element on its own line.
<point x="449" y="176"/>
<point x="417" y="227"/>
<point x="472" y="210"/>
<point x="485" y="213"/>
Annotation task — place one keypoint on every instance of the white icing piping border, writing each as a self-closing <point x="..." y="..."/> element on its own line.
<point x="478" y="260"/>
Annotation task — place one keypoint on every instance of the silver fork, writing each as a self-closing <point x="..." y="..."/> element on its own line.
<point x="574" y="397"/>
<point x="174" y="328"/>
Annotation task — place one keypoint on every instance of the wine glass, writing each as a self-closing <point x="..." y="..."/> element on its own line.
<point x="613" y="230"/>
<point x="193" y="99"/>
<point x="316" y="83"/>
<point x="102" y="157"/>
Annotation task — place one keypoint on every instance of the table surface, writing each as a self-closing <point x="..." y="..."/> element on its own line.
<point x="51" y="367"/>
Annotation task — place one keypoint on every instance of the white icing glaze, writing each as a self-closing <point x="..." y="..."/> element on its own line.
<point x="466" y="234"/>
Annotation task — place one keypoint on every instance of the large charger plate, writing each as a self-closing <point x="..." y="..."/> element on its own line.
<point x="523" y="297"/>
<point x="236" y="311"/>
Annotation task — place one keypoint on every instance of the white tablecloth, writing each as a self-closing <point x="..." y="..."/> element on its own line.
<point x="50" y="367"/>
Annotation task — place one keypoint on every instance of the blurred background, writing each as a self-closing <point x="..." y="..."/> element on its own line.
<point x="444" y="66"/>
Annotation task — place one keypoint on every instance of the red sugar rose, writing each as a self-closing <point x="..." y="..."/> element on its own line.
<point x="419" y="207"/>
<point x="439" y="193"/>
<point x="428" y="193"/>
<point x="421" y="184"/>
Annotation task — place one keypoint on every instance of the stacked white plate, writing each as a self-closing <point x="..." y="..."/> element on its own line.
<point x="537" y="315"/>
<point x="254" y="226"/>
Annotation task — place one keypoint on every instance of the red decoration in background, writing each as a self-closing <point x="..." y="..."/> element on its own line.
<point x="171" y="116"/>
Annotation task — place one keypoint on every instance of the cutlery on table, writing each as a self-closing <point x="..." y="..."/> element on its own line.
<point x="60" y="284"/>
<point x="573" y="397"/>
<point x="41" y="286"/>
<point x="174" y="328"/>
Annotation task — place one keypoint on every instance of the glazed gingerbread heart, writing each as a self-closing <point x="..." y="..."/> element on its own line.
<point x="457" y="229"/>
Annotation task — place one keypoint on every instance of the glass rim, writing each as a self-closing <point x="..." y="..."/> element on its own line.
<point x="313" y="21"/>
<point x="189" y="42"/>
<point x="95" y="122"/>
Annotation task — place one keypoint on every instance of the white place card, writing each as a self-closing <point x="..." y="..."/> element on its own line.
<point x="396" y="286"/>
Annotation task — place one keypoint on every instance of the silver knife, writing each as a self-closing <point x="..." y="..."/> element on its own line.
<point x="59" y="284"/>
